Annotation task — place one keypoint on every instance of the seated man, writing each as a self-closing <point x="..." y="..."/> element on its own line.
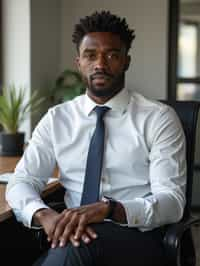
<point x="121" y="159"/>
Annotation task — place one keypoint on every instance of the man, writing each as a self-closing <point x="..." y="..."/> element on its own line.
<point x="143" y="165"/>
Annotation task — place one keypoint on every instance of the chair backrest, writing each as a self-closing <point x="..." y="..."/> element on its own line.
<point x="187" y="112"/>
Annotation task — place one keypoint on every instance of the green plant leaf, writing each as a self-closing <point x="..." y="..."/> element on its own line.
<point x="14" y="109"/>
<point x="67" y="86"/>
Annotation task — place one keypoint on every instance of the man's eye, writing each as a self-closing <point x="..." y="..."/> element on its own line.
<point x="113" y="56"/>
<point x="90" y="56"/>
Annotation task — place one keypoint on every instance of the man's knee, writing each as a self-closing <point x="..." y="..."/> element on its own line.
<point x="66" y="256"/>
<point x="84" y="255"/>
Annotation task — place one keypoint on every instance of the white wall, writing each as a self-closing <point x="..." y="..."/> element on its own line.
<point x="16" y="46"/>
<point x="31" y="47"/>
<point x="148" y="70"/>
<point x="45" y="47"/>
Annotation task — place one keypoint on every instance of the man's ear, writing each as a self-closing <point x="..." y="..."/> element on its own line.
<point x="127" y="63"/>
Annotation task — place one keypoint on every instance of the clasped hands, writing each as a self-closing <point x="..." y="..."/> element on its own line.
<point x="71" y="224"/>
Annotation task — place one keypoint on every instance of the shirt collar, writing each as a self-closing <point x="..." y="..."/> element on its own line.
<point x="118" y="103"/>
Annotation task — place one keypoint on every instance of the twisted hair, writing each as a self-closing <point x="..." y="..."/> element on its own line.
<point x="103" y="21"/>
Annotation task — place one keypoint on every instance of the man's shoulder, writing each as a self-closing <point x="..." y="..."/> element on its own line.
<point x="67" y="106"/>
<point x="143" y="103"/>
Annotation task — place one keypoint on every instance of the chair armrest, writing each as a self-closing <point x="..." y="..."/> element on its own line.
<point x="174" y="235"/>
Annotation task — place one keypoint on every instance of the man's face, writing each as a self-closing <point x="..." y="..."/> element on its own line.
<point x="102" y="62"/>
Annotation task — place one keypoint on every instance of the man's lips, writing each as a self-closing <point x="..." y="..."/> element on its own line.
<point x="100" y="77"/>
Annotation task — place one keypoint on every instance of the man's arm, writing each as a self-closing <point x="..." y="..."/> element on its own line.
<point x="167" y="175"/>
<point x="31" y="174"/>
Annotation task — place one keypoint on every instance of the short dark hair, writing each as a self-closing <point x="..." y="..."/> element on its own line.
<point x="103" y="21"/>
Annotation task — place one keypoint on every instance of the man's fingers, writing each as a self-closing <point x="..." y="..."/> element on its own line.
<point x="60" y="227"/>
<point x="50" y="233"/>
<point x="73" y="226"/>
<point x="74" y="242"/>
<point x="91" y="233"/>
<point x="58" y="232"/>
<point x="87" y="236"/>
<point x="86" y="239"/>
<point x="69" y="230"/>
<point x="81" y="227"/>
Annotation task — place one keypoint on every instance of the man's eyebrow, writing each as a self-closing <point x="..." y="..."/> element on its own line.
<point x="92" y="50"/>
<point x="114" y="50"/>
<point x="89" y="50"/>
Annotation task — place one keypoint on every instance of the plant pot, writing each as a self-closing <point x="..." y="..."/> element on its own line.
<point x="11" y="144"/>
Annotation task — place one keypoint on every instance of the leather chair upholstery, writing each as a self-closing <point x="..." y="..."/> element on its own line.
<point x="178" y="241"/>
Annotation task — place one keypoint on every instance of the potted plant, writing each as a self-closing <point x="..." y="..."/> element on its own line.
<point x="13" y="111"/>
<point x="68" y="85"/>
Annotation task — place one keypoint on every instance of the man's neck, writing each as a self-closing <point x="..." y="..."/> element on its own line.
<point x="101" y="99"/>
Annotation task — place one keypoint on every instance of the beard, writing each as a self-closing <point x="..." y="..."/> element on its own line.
<point x="116" y="84"/>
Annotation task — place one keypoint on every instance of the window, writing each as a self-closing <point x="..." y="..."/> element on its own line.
<point x="188" y="81"/>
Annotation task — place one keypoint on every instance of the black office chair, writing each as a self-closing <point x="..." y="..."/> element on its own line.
<point x="178" y="241"/>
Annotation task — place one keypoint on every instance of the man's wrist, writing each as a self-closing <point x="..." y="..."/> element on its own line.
<point x="116" y="211"/>
<point x="111" y="207"/>
<point x="120" y="214"/>
<point x="38" y="215"/>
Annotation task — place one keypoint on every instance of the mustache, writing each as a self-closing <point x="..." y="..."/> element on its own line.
<point x="100" y="73"/>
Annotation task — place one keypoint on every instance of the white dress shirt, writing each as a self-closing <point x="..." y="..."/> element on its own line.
<point x="144" y="162"/>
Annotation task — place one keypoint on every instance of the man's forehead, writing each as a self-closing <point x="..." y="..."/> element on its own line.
<point x="95" y="40"/>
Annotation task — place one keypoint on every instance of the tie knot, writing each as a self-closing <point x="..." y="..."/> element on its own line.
<point x="101" y="110"/>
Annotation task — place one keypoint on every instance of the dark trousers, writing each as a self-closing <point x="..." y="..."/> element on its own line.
<point x="115" y="246"/>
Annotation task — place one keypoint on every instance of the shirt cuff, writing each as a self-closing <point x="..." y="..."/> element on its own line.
<point x="139" y="212"/>
<point x="29" y="210"/>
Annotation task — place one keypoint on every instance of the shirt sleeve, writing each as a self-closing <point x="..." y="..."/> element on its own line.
<point x="167" y="175"/>
<point x="31" y="174"/>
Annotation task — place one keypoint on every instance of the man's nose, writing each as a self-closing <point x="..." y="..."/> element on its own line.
<point x="101" y="62"/>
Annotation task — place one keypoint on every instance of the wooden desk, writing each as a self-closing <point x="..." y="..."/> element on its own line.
<point x="7" y="164"/>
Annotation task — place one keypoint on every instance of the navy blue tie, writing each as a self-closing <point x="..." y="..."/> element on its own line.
<point x="94" y="160"/>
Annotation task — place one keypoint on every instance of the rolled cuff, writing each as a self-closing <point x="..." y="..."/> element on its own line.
<point x="139" y="213"/>
<point x="29" y="210"/>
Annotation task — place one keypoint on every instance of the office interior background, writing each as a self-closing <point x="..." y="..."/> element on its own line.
<point x="37" y="46"/>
